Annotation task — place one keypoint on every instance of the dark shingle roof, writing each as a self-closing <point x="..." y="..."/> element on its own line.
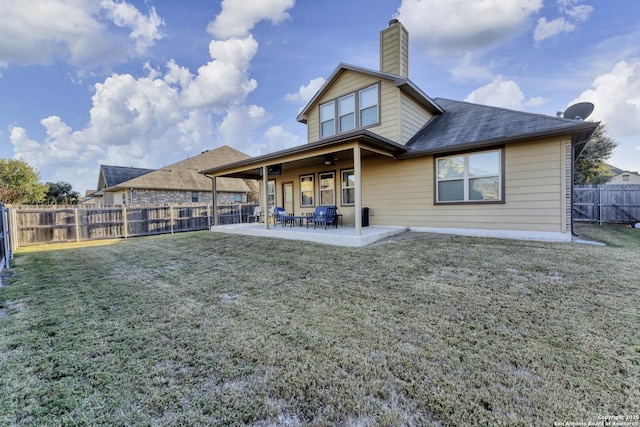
<point x="114" y="175"/>
<point x="464" y="125"/>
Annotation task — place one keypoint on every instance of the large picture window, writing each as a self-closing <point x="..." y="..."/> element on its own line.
<point x="306" y="190"/>
<point x="327" y="188"/>
<point x="472" y="177"/>
<point x="348" y="187"/>
<point x="355" y="110"/>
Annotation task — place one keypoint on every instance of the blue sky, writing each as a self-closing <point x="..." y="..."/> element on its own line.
<point x="149" y="83"/>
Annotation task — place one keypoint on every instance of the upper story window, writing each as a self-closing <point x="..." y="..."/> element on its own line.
<point x="355" y="110"/>
<point x="472" y="177"/>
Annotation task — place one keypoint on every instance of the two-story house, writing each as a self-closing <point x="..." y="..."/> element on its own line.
<point x="376" y="140"/>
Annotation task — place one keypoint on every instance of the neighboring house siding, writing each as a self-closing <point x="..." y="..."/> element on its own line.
<point x="108" y="199"/>
<point x="631" y="178"/>
<point x="412" y="118"/>
<point x="403" y="194"/>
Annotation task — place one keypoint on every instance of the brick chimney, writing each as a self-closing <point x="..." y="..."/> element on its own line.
<point x="394" y="49"/>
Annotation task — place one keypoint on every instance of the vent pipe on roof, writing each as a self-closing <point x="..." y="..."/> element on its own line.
<point x="394" y="49"/>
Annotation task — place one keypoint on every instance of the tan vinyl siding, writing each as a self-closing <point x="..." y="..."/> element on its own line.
<point x="402" y="193"/>
<point x="412" y="118"/>
<point x="350" y="82"/>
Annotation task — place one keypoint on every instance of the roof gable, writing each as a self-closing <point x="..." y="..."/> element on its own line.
<point x="465" y="125"/>
<point x="401" y="83"/>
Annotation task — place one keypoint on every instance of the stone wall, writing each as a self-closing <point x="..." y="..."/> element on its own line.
<point x="164" y="197"/>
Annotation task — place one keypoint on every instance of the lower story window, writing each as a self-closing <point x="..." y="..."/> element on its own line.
<point x="348" y="187"/>
<point x="471" y="177"/>
<point x="327" y="188"/>
<point x="271" y="194"/>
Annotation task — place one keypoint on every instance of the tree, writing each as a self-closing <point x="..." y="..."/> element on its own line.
<point x="19" y="183"/>
<point x="590" y="167"/>
<point x="61" y="193"/>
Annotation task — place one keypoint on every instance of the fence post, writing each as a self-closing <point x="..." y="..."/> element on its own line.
<point x="599" y="187"/>
<point x="76" y="217"/>
<point x="171" y="216"/>
<point x="125" y="222"/>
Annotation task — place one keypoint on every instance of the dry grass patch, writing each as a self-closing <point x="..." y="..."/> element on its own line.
<point x="204" y="329"/>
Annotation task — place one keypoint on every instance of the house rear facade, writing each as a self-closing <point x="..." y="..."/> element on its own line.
<point x="377" y="141"/>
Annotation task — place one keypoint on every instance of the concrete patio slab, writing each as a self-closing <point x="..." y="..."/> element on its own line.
<point x="341" y="236"/>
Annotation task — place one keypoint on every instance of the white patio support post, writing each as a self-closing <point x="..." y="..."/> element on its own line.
<point x="357" y="170"/>
<point x="265" y="195"/>
<point x="214" y="214"/>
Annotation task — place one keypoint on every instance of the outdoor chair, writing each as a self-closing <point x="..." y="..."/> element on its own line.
<point x="323" y="216"/>
<point x="281" y="216"/>
<point x="257" y="213"/>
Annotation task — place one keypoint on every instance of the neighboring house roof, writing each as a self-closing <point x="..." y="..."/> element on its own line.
<point x="184" y="175"/>
<point x="465" y="125"/>
<point x="402" y="83"/>
<point x="114" y="175"/>
<point x="615" y="170"/>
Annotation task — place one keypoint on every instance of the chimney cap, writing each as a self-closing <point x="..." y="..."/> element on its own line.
<point x="393" y="21"/>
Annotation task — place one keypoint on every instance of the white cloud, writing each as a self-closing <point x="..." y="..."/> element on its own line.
<point x="41" y="31"/>
<point x="238" y="17"/>
<point x="547" y="29"/>
<point x="575" y="13"/>
<point x="457" y="26"/>
<point x="277" y="138"/>
<point x="144" y="29"/>
<point x="225" y="80"/>
<point x="616" y="97"/>
<point x="502" y="93"/>
<point x="305" y="93"/>
<point x="239" y="125"/>
<point x="467" y="69"/>
<point x="163" y="116"/>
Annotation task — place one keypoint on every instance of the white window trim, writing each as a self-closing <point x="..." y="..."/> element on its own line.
<point x="466" y="178"/>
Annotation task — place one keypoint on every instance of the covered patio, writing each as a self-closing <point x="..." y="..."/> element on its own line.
<point x="281" y="175"/>
<point x="341" y="236"/>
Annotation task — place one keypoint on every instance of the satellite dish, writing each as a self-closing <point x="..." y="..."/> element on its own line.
<point x="579" y="111"/>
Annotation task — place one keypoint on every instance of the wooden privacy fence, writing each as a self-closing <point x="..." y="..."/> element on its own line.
<point x="5" y="246"/>
<point x="607" y="203"/>
<point x="32" y="225"/>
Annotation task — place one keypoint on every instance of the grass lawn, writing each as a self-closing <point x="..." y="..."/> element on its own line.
<point x="211" y="329"/>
